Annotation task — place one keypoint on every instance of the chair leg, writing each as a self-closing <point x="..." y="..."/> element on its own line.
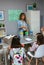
<point x="43" y="59"/>
<point x="31" y="59"/>
<point x="36" y="61"/>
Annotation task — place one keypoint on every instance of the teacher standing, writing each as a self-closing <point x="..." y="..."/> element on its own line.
<point x="22" y="24"/>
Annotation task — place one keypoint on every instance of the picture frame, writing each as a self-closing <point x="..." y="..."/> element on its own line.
<point x="1" y="15"/>
<point x="29" y="7"/>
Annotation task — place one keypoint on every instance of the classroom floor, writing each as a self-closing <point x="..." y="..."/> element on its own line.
<point x="2" y="61"/>
<point x="26" y="63"/>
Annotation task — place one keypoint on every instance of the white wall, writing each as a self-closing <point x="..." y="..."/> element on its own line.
<point x="18" y="4"/>
<point x="5" y="5"/>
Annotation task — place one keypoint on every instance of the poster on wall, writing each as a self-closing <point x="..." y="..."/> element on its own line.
<point x="13" y="15"/>
<point x="1" y="15"/>
<point x="29" y="7"/>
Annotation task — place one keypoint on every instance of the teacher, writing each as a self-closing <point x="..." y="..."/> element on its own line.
<point x="22" y="23"/>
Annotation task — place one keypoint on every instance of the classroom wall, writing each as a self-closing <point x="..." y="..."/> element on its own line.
<point x="18" y="4"/>
<point x="41" y="7"/>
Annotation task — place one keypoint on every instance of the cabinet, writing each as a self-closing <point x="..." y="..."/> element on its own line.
<point x="33" y="19"/>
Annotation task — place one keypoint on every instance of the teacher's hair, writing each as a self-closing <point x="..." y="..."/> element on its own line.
<point x="20" y="18"/>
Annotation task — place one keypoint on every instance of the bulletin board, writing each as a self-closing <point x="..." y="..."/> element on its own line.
<point x="13" y="15"/>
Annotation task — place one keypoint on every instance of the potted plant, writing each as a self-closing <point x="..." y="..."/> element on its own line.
<point x="0" y="24"/>
<point x="3" y="25"/>
<point x="34" y="5"/>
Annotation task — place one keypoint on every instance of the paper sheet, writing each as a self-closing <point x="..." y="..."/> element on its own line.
<point x="8" y="37"/>
<point x="28" y="39"/>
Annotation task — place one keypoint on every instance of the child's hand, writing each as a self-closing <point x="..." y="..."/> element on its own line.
<point x="24" y="27"/>
<point x="23" y="45"/>
<point x="42" y="29"/>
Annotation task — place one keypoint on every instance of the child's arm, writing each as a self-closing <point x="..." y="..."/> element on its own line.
<point x="11" y="53"/>
<point x="27" y="58"/>
<point x="33" y="47"/>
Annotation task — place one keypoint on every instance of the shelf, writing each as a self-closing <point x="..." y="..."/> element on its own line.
<point x="1" y="36"/>
<point x="2" y="28"/>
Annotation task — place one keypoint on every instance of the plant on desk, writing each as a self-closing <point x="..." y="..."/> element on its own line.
<point x="0" y="24"/>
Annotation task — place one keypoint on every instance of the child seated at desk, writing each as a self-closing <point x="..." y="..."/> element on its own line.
<point x="42" y="30"/>
<point x="35" y="44"/>
<point x="40" y="41"/>
<point x="17" y="52"/>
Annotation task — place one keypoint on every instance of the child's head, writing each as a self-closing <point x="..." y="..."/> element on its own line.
<point x="42" y="30"/>
<point x="40" y="39"/>
<point x="23" y="17"/>
<point x="38" y="34"/>
<point x="15" y="42"/>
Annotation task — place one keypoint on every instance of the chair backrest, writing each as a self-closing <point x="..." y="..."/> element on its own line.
<point x="39" y="52"/>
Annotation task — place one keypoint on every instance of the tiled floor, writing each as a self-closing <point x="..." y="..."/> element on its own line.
<point x="33" y="63"/>
<point x="40" y="62"/>
<point x="26" y="63"/>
